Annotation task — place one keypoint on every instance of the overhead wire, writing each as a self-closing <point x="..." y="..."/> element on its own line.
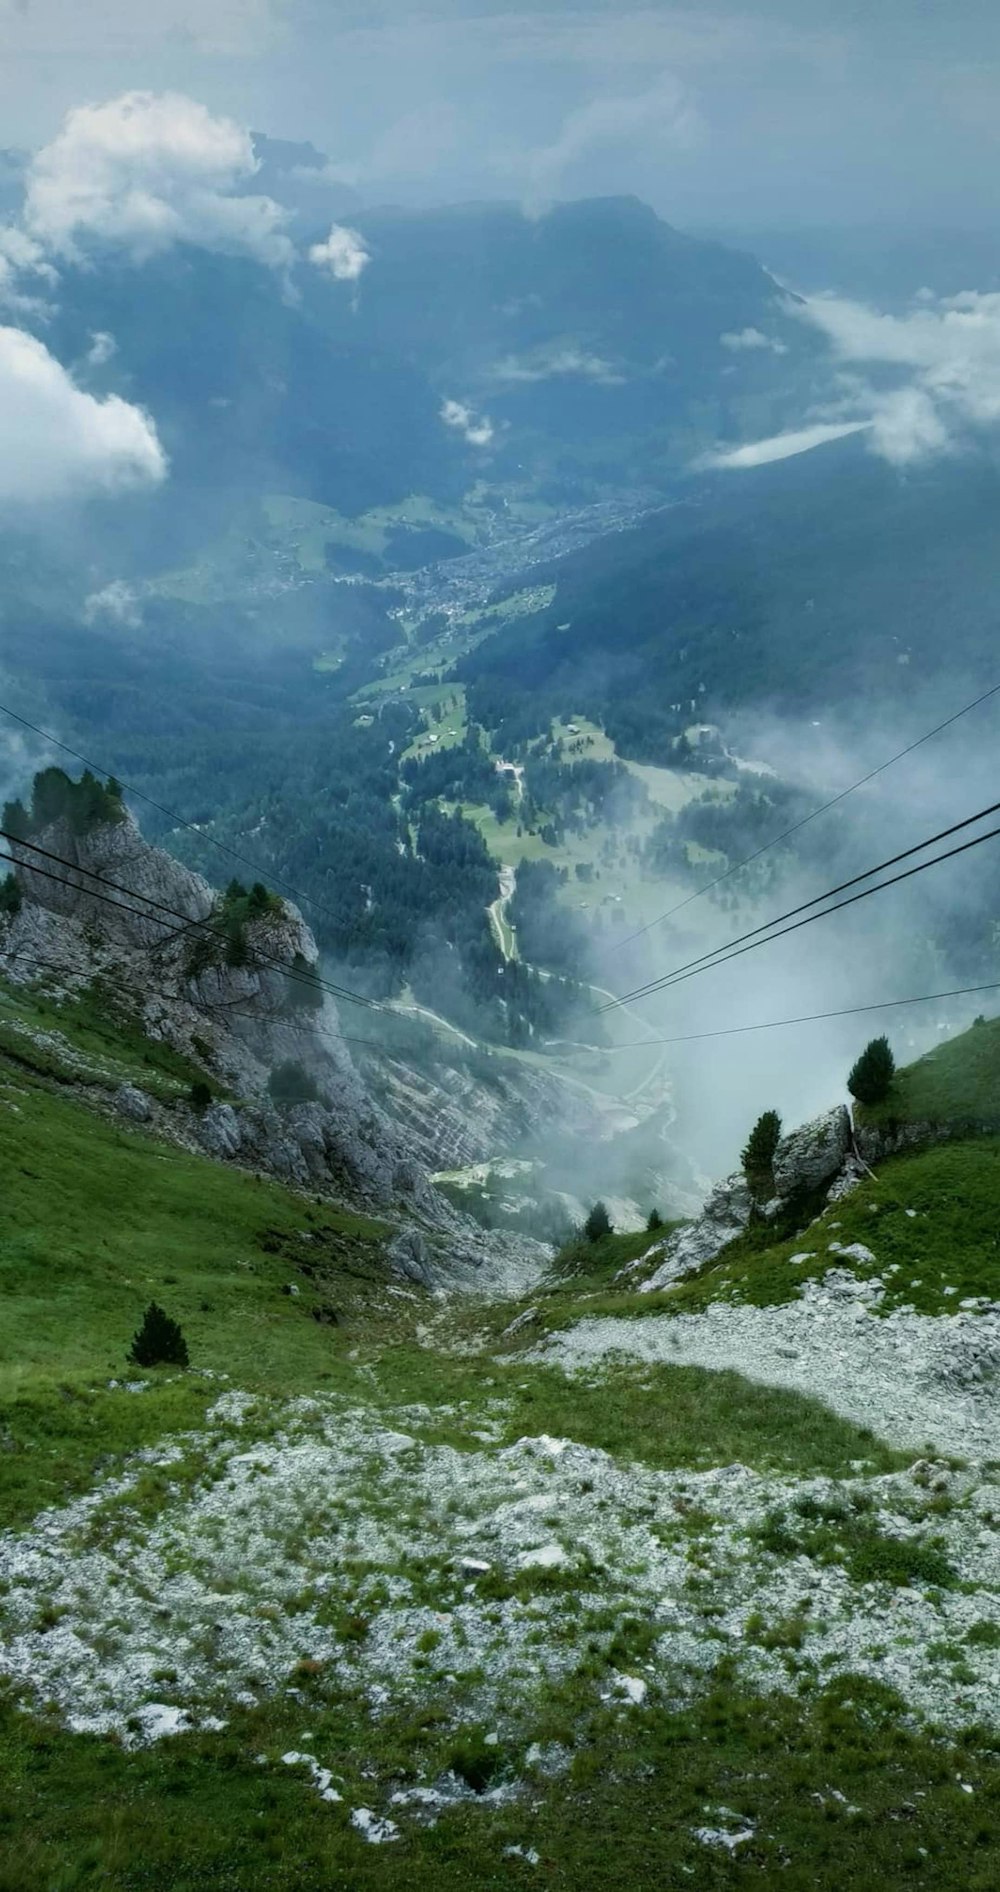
<point x="730" y="1031"/>
<point x="668" y="983"/>
<point x="160" y="907"/>
<point x="807" y="1018"/>
<point x="703" y="960"/>
<point x="786" y="833"/>
<point x="308" y="979"/>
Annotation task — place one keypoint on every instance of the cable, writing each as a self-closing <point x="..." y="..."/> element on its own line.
<point x="906" y="854"/>
<point x="809" y="1018"/>
<point x="679" y="978"/>
<point x="281" y="965"/>
<point x="796" y="825"/>
<point x="172" y="815"/>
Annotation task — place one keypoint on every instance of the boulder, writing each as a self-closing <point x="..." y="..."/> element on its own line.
<point x="726" y="1214"/>
<point x="133" y="1104"/>
<point x="219" y="1130"/>
<point x="811" y="1155"/>
<point x="407" y="1255"/>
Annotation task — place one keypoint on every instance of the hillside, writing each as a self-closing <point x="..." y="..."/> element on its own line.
<point x="782" y="586"/>
<point x="448" y="1592"/>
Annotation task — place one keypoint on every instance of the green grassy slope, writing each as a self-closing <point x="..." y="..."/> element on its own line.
<point x="929" y="1216"/>
<point x="956" y="1083"/>
<point x="98" y="1220"/>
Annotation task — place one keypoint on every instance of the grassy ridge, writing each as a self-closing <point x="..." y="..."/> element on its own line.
<point x="956" y="1083"/>
<point x="929" y="1220"/>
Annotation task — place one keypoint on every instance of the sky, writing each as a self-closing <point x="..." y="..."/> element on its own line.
<point x="752" y="112"/>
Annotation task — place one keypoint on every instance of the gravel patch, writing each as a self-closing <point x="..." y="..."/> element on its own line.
<point x="410" y="1573"/>
<point x="914" y="1379"/>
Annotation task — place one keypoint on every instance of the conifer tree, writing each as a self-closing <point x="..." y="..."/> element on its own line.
<point x="598" y="1223"/>
<point x="159" y="1341"/>
<point x="870" y="1078"/>
<point x="758" y="1156"/>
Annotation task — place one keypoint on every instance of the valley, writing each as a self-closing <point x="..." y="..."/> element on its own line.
<point x="499" y="915"/>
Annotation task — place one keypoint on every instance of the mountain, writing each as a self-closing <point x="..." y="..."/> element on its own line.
<point x="801" y="585"/>
<point x="595" y="347"/>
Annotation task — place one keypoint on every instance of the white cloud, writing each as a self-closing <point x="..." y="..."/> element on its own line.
<point x="117" y="601"/>
<point x="147" y="171"/>
<point x="475" y="428"/>
<point x="549" y="363"/>
<point x="57" y="442"/>
<point x="783" y="446"/>
<point x="751" y="339"/>
<point x="20" y="256"/>
<point x="102" y="347"/>
<point x="948" y="349"/>
<point x="343" y="253"/>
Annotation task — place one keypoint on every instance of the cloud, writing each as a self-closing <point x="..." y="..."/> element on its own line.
<point x="102" y="347"/>
<point x="343" y="253"/>
<point x="783" y="446"/>
<point x="20" y="256"/>
<point x="750" y="339"/>
<point x="475" y="428"/>
<point x="949" y="352"/>
<point x="664" y="114"/>
<point x="117" y="601"/>
<point x="145" y="172"/>
<point x="57" y="442"/>
<point x="552" y="362"/>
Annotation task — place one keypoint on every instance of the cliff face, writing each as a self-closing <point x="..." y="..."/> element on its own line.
<point x="151" y="931"/>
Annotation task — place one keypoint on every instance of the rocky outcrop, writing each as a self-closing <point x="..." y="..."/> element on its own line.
<point x="810" y="1156"/>
<point x="726" y="1214"/>
<point x="128" y="914"/>
<point x="816" y="1153"/>
<point x="875" y="1141"/>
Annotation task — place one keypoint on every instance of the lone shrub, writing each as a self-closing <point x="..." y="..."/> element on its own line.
<point x="654" y="1220"/>
<point x="598" y="1223"/>
<point x="871" y="1076"/>
<point x="159" y="1341"/>
<point x="199" y="1096"/>
<point x="758" y="1156"/>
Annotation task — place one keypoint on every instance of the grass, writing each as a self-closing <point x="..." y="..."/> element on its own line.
<point x="100" y="1219"/>
<point x="110" y="1044"/>
<point x="663" y="1416"/>
<point x="958" y="1083"/>
<point x="838" y="1793"/>
<point x="98" y="1222"/>
<point x="841" y="1533"/>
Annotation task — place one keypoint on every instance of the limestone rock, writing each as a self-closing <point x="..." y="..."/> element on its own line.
<point x="812" y="1154"/>
<point x="408" y="1255"/>
<point x="726" y="1214"/>
<point x="219" y="1130"/>
<point x="133" y="1104"/>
